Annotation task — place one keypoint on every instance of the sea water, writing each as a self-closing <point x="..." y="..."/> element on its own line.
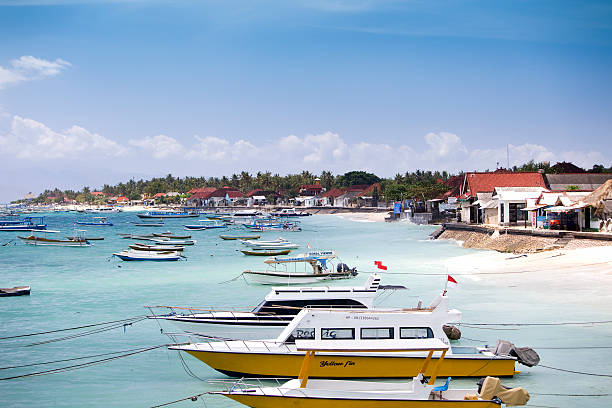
<point x="80" y="286"/>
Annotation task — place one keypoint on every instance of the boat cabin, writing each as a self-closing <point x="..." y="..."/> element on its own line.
<point x="380" y="324"/>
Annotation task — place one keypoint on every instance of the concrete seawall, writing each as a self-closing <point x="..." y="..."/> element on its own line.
<point x="518" y="240"/>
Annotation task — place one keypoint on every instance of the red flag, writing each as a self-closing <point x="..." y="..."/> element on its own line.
<point x="380" y="265"/>
<point x="450" y="281"/>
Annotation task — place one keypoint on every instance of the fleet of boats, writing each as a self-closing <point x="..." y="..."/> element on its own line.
<point x="319" y="339"/>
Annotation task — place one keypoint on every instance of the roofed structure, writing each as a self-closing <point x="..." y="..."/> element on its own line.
<point x="583" y="181"/>
<point x="487" y="182"/>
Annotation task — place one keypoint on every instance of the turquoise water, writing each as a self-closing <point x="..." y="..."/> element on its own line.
<point x="79" y="286"/>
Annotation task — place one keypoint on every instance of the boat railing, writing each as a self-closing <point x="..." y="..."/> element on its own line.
<point x="247" y="383"/>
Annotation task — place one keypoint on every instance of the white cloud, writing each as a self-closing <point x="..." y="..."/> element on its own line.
<point x="221" y="150"/>
<point x="444" y="144"/>
<point x="160" y="146"/>
<point x="29" y="139"/>
<point x="29" y="68"/>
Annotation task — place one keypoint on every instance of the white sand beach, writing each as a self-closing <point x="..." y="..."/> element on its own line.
<point x="363" y="216"/>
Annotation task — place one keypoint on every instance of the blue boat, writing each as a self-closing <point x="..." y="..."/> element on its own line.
<point x="168" y="214"/>
<point x="204" y="225"/>
<point x="27" y="224"/>
<point x="101" y="223"/>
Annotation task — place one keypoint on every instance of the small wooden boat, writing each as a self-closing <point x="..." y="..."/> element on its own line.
<point x="266" y="252"/>
<point x="239" y="237"/>
<point x="277" y="245"/>
<point x="159" y="248"/>
<point x="162" y="241"/>
<point x="16" y="291"/>
<point x="86" y="238"/>
<point x="170" y="235"/>
<point x="205" y="224"/>
<point x="148" y="224"/>
<point x="44" y="241"/>
<point x="97" y="222"/>
<point x="132" y="255"/>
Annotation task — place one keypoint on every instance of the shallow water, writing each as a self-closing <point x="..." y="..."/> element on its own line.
<point x="79" y="286"/>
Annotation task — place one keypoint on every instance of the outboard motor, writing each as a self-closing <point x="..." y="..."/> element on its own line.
<point x="524" y="355"/>
<point x="343" y="268"/>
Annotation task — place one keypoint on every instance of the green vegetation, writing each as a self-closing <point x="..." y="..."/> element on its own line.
<point x="419" y="184"/>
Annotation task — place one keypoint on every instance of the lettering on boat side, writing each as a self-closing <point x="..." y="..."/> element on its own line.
<point x="326" y="363"/>
<point x="366" y="317"/>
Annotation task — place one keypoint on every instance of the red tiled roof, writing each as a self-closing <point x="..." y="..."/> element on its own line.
<point x="97" y="193"/>
<point x="334" y="193"/>
<point x="369" y="190"/>
<point x="486" y="182"/>
<point x="201" y="190"/>
<point x="122" y="199"/>
<point x="311" y="187"/>
<point x="159" y="195"/>
<point x="253" y="192"/>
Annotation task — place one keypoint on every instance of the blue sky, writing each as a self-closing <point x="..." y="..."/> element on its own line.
<point x="102" y="91"/>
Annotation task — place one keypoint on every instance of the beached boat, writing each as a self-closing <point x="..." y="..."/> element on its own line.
<point x="310" y="267"/>
<point x="239" y="237"/>
<point x="96" y="222"/>
<point x="26" y="224"/>
<point x="420" y="392"/>
<point x="206" y="224"/>
<point x="157" y="248"/>
<point x="170" y="235"/>
<point x="265" y="252"/>
<point x="133" y="255"/>
<point x="168" y="214"/>
<point x="32" y="239"/>
<point x="276" y="311"/>
<point x="281" y="358"/>
<point x="15" y="291"/>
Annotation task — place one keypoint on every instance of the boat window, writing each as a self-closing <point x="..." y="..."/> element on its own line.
<point x="416" y="333"/>
<point x="292" y="307"/>
<point x="337" y="334"/>
<point x="377" y="333"/>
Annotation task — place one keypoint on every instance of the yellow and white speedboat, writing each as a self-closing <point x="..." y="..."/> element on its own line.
<point x="281" y="358"/>
<point x="308" y="393"/>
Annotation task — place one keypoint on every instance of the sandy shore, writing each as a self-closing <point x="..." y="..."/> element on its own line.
<point x="363" y="217"/>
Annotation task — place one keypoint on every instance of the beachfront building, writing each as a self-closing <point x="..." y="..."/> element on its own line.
<point x="511" y="203"/>
<point x="476" y="210"/>
<point x="215" y="197"/>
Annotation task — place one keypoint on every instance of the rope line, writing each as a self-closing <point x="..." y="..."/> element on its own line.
<point x="192" y="398"/>
<point x="475" y="325"/>
<point x="74" y="328"/>
<point x="575" y="372"/>
<point x="84" y="365"/>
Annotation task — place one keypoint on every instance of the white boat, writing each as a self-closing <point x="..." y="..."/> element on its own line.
<point x="158" y="248"/>
<point x="355" y="328"/>
<point x="78" y="240"/>
<point x="276" y="311"/>
<point x="167" y="241"/>
<point x="205" y="224"/>
<point x="310" y="267"/>
<point x="420" y="392"/>
<point x="277" y="244"/>
<point x="131" y="255"/>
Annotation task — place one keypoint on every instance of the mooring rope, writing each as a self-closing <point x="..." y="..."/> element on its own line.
<point x="132" y="319"/>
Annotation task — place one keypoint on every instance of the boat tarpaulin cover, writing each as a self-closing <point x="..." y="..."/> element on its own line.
<point x="514" y="396"/>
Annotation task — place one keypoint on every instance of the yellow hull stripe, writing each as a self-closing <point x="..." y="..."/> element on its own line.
<point x="261" y="401"/>
<point x="329" y="366"/>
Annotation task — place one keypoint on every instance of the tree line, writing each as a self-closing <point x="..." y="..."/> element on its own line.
<point x="420" y="184"/>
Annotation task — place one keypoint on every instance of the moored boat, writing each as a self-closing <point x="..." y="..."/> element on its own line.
<point x="239" y="237"/>
<point x="170" y="235"/>
<point x="15" y="291"/>
<point x="96" y="222"/>
<point x="265" y="252"/>
<point x="420" y="392"/>
<point x="310" y="267"/>
<point x="168" y="214"/>
<point x="32" y="239"/>
<point x="157" y="248"/>
<point x="276" y="311"/>
<point x="27" y="224"/>
<point x="133" y="255"/>
<point x="206" y="224"/>
<point x="355" y="327"/>
<point x="162" y="241"/>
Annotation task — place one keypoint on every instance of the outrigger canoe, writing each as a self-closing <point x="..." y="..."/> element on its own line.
<point x="241" y="237"/>
<point x="266" y="252"/>
<point x="170" y="235"/>
<point x="158" y="248"/>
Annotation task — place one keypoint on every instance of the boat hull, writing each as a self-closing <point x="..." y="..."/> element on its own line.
<point x="227" y="329"/>
<point x="328" y="365"/>
<point x="238" y="237"/>
<point x="266" y="252"/>
<point x="272" y="401"/>
<point x="264" y="278"/>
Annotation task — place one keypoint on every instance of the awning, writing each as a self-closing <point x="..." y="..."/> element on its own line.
<point x="534" y="207"/>
<point x="259" y="197"/>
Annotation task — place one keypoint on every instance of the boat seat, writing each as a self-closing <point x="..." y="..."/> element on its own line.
<point x="443" y="387"/>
